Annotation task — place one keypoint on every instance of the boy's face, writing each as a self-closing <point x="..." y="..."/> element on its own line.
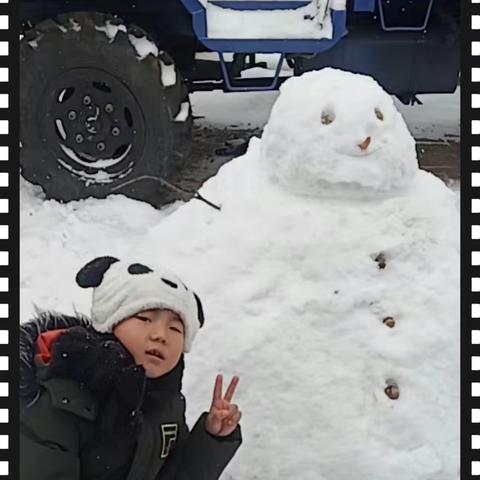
<point x="155" y="340"/>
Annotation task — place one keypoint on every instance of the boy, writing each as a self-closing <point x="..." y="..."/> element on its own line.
<point x="101" y="398"/>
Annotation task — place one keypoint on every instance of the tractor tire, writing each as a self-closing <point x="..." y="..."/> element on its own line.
<point x="99" y="115"/>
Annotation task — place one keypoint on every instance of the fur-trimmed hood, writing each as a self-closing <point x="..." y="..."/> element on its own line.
<point x="29" y="334"/>
<point x="98" y="362"/>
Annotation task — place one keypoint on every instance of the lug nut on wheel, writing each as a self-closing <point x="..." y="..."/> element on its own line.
<point x="109" y="108"/>
<point x="72" y="115"/>
<point x="79" y="138"/>
<point x="100" y="146"/>
<point x="115" y="131"/>
<point x="87" y="100"/>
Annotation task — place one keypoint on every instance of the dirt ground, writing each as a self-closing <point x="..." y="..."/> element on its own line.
<point x="440" y="158"/>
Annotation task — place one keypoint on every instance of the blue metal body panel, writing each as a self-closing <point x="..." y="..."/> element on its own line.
<point x="364" y="5"/>
<point x="199" y="20"/>
<point x="409" y="46"/>
<point x="259" y="5"/>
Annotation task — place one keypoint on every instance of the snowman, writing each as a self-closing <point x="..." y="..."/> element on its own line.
<point x="329" y="281"/>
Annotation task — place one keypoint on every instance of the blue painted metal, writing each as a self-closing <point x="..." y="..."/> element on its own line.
<point x="399" y="28"/>
<point x="364" y="5"/>
<point x="199" y="20"/>
<point x="260" y="5"/>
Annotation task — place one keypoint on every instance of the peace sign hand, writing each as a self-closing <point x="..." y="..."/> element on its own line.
<point x="224" y="416"/>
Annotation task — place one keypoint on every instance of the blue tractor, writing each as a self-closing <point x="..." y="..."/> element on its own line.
<point x="105" y="83"/>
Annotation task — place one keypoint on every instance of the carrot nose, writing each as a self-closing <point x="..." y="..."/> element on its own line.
<point x="364" y="145"/>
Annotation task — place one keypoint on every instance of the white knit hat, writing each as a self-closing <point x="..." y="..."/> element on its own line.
<point x="122" y="289"/>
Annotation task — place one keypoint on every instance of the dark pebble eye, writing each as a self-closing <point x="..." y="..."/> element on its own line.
<point x="327" y="118"/>
<point x="379" y="114"/>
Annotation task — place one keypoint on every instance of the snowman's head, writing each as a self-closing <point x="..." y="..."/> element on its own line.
<point x="337" y="133"/>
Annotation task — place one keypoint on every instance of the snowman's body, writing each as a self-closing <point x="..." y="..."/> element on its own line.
<point x="295" y="294"/>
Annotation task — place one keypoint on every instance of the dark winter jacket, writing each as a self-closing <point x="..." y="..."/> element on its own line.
<point x="89" y="413"/>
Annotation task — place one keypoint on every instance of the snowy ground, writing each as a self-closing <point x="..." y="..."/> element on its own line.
<point x="295" y="301"/>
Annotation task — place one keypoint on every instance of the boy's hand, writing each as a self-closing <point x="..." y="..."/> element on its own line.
<point x="224" y="416"/>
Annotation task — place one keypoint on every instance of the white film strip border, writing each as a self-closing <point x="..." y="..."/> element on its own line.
<point x="9" y="228"/>
<point x="470" y="467"/>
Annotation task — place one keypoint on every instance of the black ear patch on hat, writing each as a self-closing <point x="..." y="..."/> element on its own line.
<point x="169" y="283"/>
<point x="139" y="269"/>
<point x="91" y="275"/>
<point x="201" y="317"/>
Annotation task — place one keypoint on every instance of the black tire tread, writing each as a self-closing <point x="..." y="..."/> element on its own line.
<point x="62" y="27"/>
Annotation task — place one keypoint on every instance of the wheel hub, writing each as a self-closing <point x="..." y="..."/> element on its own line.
<point x="94" y="125"/>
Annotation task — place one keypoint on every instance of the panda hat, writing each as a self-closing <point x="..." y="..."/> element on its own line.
<point x="122" y="289"/>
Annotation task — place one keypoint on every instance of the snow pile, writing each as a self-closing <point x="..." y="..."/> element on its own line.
<point x="111" y="30"/>
<point x="143" y="46"/>
<point x="69" y="233"/>
<point x="182" y="115"/>
<point x="169" y="76"/>
<point x="76" y="27"/>
<point x="438" y="118"/>
<point x="312" y="21"/>
<point x="344" y="133"/>
<point x="296" y="289"/>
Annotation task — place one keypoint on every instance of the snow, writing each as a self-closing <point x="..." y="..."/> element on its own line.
<point x="143" y="46"/>
<point x="76" y="27"/>
<point x="338" y="4"/>
<point x="77" y="166"/>
<point x="182" y="115"/>
<point x="438" y="117"/>
<point x="101" y="176"/>
<point x="111" y="30"/>
<point x="259" y="72"/>
<point x="311" y="21"/>
<point x="169" y="76"/>
<point x="294" y="302"/>
<point x="61" y="129"/>
<point x="101" y="163"/>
